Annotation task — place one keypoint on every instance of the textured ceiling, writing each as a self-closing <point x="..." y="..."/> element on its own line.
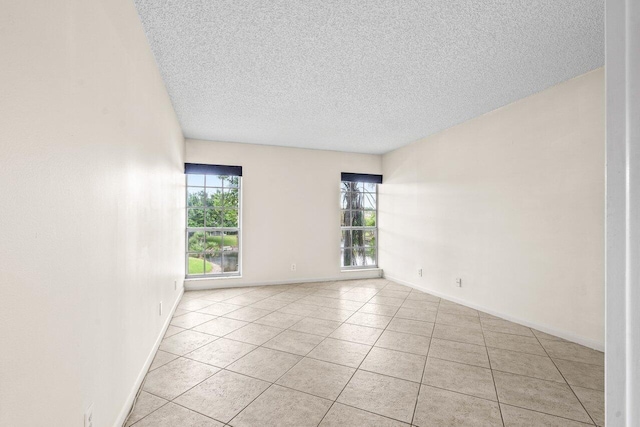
<point x="361" y="76"/>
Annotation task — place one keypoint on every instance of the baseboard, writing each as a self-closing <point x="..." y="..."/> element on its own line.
<point x="539" y="326"/>
<point x="228" y="282"/>
<point x="136" y="386"/>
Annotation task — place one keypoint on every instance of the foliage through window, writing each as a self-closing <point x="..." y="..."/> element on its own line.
<point x="358" y="201"/>
<point x="213" y="226"/>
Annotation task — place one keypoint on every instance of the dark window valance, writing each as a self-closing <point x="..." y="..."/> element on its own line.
<point x="361" y="177"/>
<point x="201" y="169"/>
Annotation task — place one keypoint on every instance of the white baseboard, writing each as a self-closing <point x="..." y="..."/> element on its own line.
<point x="134" y="391"/>
<point x="569" y="336"/>
<point x="228" y="282"/>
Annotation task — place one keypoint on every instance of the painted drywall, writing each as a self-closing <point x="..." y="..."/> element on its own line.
<point x="512" y="202"/>
<point x="92" y="194"/>
<point x="290" y="209"/>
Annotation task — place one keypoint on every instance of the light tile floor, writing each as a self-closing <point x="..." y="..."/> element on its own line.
<point x="361" y="353"/>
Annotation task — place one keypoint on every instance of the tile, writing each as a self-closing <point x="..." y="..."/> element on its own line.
<point x="421" y="296"/>
<point x="220" y="309"/>
<point x="387" y="396"/>
<point x="220" y="326"/>
<point x="340" y="352"/>
<point x="442" y="408"/>
<point x="194" y="304"/>
<point x="518" y="417"/>
<point x="539" y="395"/>
<point x="279" y="320"/>
<point x="171" y="415"/>
<point x="356" y="333"/>
<point x="570" y="351"/>
<point x="582" y="374"/>
<point x="460" y="352"/>
<point x="395" y="302"/>
<point x="466" y="379"/>
<point x="458" y="333"/>
<point x="421" y="305"/>
<point x="145" y="404"/>
<point x="458" y="320"/>
<point x="545" y="336"/>
<point x="300" y="309"/>
<point x="288" y="296"/>
<point x="179" y="312"/>
<point x="254" y="333"/>
<point x="223" y="395"/>
<point x="294" y="342"/>
<point x="382" y="310"/>
<point x="245" y="299"/>
<point x="221" y="352"/>
<point x="316" y="377"/>
<point x="334" y="314"/>
<point x="417" y="314"/>
<point x="368" y="319"/>
<point x="247" y="314"/>
<point x="270" y="304"/>
<point x="279" y="406"/>
<point x="514" y="342"/>
<point x="394" y="363"/>
<point x="176" y="377"/>
<point x="410" y="343"/>
<point x="184" y="342"/>
<point x="314" y="326"/>
<point x="342" y="415"/>
<point x="408" y="326"/>
<point x="162" y="358"/>
<point x="172" y="330"/>
<point x="265" y="364"/>
<point x="391" y="286"/>
<point x="190" y="320"/>
<point x="506" y="327"/>
<point x="593" y="401"/>
<point x="393" y="294"/>
<point x="452" y="308"/>
<point x="530" y="365"/>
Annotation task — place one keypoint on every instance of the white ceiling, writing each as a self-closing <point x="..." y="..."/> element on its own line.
<point x="361" y="76"/>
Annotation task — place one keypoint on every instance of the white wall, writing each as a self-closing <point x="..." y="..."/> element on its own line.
<point x="92" y="190"/>
<point x="290" y="209"/>
<point x="513" y="203"/>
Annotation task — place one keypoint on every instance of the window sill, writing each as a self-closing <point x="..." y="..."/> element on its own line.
<point x="199" y="278"/>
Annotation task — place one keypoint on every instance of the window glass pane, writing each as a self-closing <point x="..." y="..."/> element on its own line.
<point x="195" y="241"/>
<point x="344" y="262"/>
<point x="357" y="237"/>
<point x="195" y="196"/>
<point x="230" y="261"/>
<point x="213" y="242"/>
<point x="230" y="199"/>
<point x="214" y="181"/>
<point x="230" y="241"/>
<point x="231" y="181"/>
<point x="370" y="256"/>
<point x="369" y="200"/>
<point x="357" y="218"/>
<point x="370" y="238"/>
<point x="213" y="218"/>
<point x="345" y="219"/>
<point x="214" y="197"/>
<point x="195" y="180"/>
<point x="195" y="218"/>
<point x="370" y="218"/>
<point x="345" y="242"/>
<point x="370" y="187"/>
<point x="196" y="264"/>
<point x="353" y="200"/>
<point x="357" y="257"/>
<point x="230" y="219"/>
<point x="214" y="263"/>
<point x="343" y="200"/>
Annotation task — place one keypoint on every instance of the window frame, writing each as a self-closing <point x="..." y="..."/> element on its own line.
<point x="363" y="228"/>
<point x="205" y="207"/>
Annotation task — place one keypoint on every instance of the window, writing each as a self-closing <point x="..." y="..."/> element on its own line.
<point x="213" y="221"/>
<point x="358" y="202"/>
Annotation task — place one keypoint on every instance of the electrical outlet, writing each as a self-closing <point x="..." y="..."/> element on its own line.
<point x="160" y="309"/>
<point x="88" y="417"/>
<point x="459" y="282"/>
<point x="419" y="272"/>
<point x="293" y="267"/>
<point x="175" y="285"/>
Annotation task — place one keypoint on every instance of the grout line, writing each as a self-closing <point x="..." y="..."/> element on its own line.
<point x="424" y="367"/>
<point x="495" y="387"/>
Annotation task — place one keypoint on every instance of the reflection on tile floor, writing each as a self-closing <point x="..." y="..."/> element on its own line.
<point x="361" y="353"/>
